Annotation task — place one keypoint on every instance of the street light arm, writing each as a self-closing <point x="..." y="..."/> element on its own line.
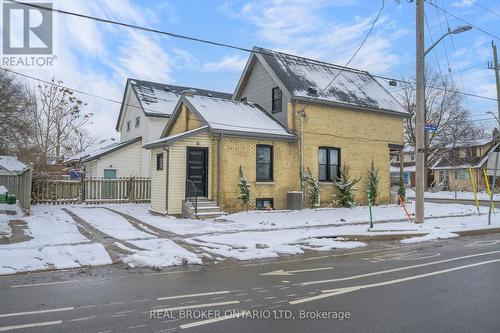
<point x="437" y="42"/>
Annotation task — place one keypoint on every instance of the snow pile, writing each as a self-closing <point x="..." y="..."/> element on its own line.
<point x="159" y="253"/>
<point x="264" y="244"/>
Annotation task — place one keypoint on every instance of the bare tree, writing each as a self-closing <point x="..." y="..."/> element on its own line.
<point x="56" y="119"/>
<point x="80" y="141"/>
<point x="444" y="109"/>
<point x="15" y="99"/>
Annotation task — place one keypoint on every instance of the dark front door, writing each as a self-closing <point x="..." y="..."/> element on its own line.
<point x="197" y="169"/>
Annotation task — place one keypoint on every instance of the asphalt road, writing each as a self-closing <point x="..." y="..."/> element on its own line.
<point x="441" y="286"/>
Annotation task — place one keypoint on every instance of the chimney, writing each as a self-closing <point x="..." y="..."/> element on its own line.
<point x="188" y="92"/>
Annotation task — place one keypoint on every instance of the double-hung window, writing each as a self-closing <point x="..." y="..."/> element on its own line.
<point x="329" y="164"/>
<point x="277" y="100"/>
<point x="264" y="163"/>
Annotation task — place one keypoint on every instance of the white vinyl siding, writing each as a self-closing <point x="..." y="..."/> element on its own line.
<point x="126" y="161"/>
<point x="159" y="182"/>
<point x="131" y="110"/>
<point x="177" y="169"/>
<point x="259" y="90"/>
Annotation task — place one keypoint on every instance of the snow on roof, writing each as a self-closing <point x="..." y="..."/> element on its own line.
<point x="11" y="163"/>
<point x="90" y="150"/>
<point x="305" y="78"/>
<point x="109" y="148"/>
<point x="471" y="143"/>
<point x="161" y="99"/>
<point x="228" y="115"/>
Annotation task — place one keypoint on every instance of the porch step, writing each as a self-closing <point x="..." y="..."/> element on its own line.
<point x="209" y="215"/>
<point x="207" y="209"/>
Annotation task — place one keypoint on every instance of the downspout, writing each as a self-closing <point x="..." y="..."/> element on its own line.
<point x="218" y="168"/>
<point x="302" y="184"/>
<point x="166" y="179"/>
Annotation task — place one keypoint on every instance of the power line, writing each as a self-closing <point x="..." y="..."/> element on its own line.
<point x="461" y="19"/>
<point x="485" y="8"/>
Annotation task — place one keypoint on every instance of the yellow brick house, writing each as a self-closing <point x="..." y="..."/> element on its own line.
<point x="279" y="124"/>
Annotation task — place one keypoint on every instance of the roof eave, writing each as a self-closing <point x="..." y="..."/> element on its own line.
<point x="301" y="99"/>
<point x="254" y="135"/>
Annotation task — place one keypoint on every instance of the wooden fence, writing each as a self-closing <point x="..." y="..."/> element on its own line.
<point x="92" y="190"/>
<point x="20" y="186"/>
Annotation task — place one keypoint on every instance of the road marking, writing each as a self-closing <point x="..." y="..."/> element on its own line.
<point x="43" y="284"/>
<point x="40" y="324"/>
<point x="398" y="269"/>
<point x="283" y="301"/>
<point x="283" y="272"/>
<point x="242" y="294"/>
<point x="83" y="318"/>
<point x="214" y="320"/>
<point x="124" y="312"/>
<point x="339" y="291"/>
<point x="262" y="291"/>
<point x="269" y="297"/>
<point x="484" y="243"/>
<point x="35" y="312"/>
<point x="195" y="295"/>
<point x="195" y="306"/>
<point x="137" y="326"/>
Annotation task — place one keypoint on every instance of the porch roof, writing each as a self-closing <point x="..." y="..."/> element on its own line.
<point x="173" y="138"/>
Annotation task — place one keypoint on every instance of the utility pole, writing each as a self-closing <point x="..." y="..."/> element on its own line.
<point x="495" y="66"/>
<point x="420" y="117"/>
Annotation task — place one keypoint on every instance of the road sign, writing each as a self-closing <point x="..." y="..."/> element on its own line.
<point x="430" y="127"/>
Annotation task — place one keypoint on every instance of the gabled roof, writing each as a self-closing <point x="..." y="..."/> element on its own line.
<point x="231" y="117"/>
<point x="159" y="99"/>
<point x="304" y="79"/>
<point x="109" y="149"/>
<point x="12" y="164"/>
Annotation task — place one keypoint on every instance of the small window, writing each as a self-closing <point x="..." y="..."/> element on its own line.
<point x="264" y="163"/>
<point x="159" y="161"/>
<point x="456" y="175"/>
<point x="329" y="161"/>
<point x="243" y="100"/>
<point x="264" y="203"/>
<point x="412" y="157"/>
<point x="277" y="100"/>
<point x="128" y="126"/>
<point x="137" y="122"/>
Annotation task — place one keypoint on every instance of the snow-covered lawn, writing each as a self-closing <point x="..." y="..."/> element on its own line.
<point x="56" y="243"/>
<point x="451" y="195"/>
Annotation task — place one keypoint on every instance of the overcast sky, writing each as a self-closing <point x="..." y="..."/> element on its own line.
<point x="97" y="57"/>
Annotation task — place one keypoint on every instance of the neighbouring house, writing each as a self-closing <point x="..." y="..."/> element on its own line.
<point x="451" y="170"/>
<point x="145" y="111"/>
<point x="408" y="159"/>
<point x="266" y="133"/>
<point x="10" y="166"/>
